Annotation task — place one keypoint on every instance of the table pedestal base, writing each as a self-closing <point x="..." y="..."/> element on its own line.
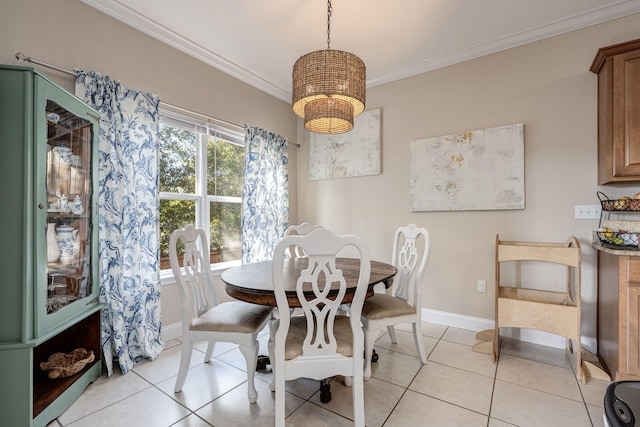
<point x="325" y="387"/>
<point x="325" y="391"/>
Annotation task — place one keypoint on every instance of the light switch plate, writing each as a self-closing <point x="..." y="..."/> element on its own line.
<point x="588" y="211"/>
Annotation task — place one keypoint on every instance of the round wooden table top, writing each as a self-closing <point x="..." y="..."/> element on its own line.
<point x="252" y="282"/>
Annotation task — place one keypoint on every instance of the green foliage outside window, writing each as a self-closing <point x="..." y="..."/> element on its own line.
<point x="224" y="169"/>
<point x="225" y="166"/>
<point x="177" y="160"/>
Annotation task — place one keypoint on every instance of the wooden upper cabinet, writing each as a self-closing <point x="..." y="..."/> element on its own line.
<point x="618" y="70"/>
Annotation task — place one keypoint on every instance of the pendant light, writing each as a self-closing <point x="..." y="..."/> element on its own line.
<point x="329" y="88"/>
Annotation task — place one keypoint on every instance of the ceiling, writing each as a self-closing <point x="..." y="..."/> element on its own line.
<point x="258" y="41"/>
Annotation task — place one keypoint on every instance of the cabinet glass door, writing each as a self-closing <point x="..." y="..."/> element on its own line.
<point x="68" y="219"/>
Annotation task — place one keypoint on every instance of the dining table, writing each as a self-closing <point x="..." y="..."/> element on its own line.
<point x="252" y="282"/>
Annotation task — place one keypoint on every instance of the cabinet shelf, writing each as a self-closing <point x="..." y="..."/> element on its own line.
<point x="66" y="123"/>
<point x="84" y="334"/>
<point x="68" y="217"/>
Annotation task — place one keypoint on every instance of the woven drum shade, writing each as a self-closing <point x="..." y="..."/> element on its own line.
<point x="328" y="115"/>
<point x="329" y="89"/>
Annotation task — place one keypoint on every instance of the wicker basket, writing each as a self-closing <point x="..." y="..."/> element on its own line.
<point x="618" y="239"/>
<point x="62" y="365"/>
<point x="617" y="204"/>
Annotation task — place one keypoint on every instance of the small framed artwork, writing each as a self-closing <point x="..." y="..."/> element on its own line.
<point x="354" y="153"/>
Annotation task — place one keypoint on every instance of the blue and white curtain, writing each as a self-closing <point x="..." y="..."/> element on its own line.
<point x="265" y="193"/>
<point x="128" y="225"/>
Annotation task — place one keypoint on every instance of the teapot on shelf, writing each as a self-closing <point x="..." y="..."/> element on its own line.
<point x="77" y="208"/>
<point x="64" y="153"/>
<point x="64" y="204"/>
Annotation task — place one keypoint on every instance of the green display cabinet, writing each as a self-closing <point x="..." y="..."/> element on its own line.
<point x="48" y="216"/>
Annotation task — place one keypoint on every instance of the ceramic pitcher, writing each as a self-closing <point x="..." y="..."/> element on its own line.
<point x="67" y="243"/>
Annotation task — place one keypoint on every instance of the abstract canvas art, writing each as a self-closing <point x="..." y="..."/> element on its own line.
<point x="474" y="170"/>
<point x="354" y="153"/>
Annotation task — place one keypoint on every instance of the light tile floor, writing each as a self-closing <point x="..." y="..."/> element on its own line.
<point x="531" y="385"/>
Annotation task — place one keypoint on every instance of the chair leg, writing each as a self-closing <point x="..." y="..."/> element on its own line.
<point x="278" y="380"/>
<point x="357" y="392"/>
<point x="210" y="347"/>
<point x="272" y="336"/>
<point x="417" y="337"/>
<point x="392" y="334"/>
<point x="250" y="353"/>
<point x="185" y="358"/>
<point x="370" y="336"/>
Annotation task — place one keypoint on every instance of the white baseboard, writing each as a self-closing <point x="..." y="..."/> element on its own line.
<point x="479" y="324"/>
<point x="456" y="320"/>
<point x="171" y="332"/>
<point x="174" y="330"/>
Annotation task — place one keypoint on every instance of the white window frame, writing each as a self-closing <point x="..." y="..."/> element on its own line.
<point x="203" y="129"/>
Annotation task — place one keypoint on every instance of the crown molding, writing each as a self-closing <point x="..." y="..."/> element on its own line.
<point x="128" y="16"/>
<point x="555" y="28"/>
<point x="152" y="28"/>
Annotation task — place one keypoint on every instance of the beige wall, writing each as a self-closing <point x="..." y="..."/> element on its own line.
<point x="547" y="86"/>
<point x="71" y="35"/>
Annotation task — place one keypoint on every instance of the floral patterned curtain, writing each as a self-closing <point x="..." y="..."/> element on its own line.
<point x="128" y="223"/>
<point x="265" y="194"/>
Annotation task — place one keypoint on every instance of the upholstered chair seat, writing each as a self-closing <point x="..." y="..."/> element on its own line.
<point x="208" y="320"/>
<point x="381" y="306"/>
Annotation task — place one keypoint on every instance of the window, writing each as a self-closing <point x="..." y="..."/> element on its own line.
<point x="201" y="170"/>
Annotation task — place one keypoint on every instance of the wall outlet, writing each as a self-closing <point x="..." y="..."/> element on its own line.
<point x="588" y="211"/>
<point x="482" y="286"/>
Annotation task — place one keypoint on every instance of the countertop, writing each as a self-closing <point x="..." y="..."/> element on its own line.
<point x="597" y="245"/>
<point x="621" y="252"/>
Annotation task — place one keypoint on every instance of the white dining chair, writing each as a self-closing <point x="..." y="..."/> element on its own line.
<point x="402" y="301"/>
<point x="299" y="230"/>
<point x="321" y="343"/>
<point x="233" y="321"/>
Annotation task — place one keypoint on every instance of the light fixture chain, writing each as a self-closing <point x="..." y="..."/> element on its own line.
<point x="329" y="87"/>
<point x="329" y="10"/>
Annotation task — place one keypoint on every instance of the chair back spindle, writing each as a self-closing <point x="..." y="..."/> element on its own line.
<point x="196" y="268"/>
<point x="406" y="257"/>
<point x="299" y="230"/>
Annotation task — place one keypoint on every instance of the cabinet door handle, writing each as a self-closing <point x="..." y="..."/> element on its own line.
<point x="40" y="206"/>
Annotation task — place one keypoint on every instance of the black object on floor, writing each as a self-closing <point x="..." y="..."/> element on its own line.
<point x="325" y="387"/>
<point x="263" y="361"/>
<point x="621" y="402"/>
<point x="325" y="391"/>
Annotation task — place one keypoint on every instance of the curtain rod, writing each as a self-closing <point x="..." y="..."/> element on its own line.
<point x="22" y="58"/>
